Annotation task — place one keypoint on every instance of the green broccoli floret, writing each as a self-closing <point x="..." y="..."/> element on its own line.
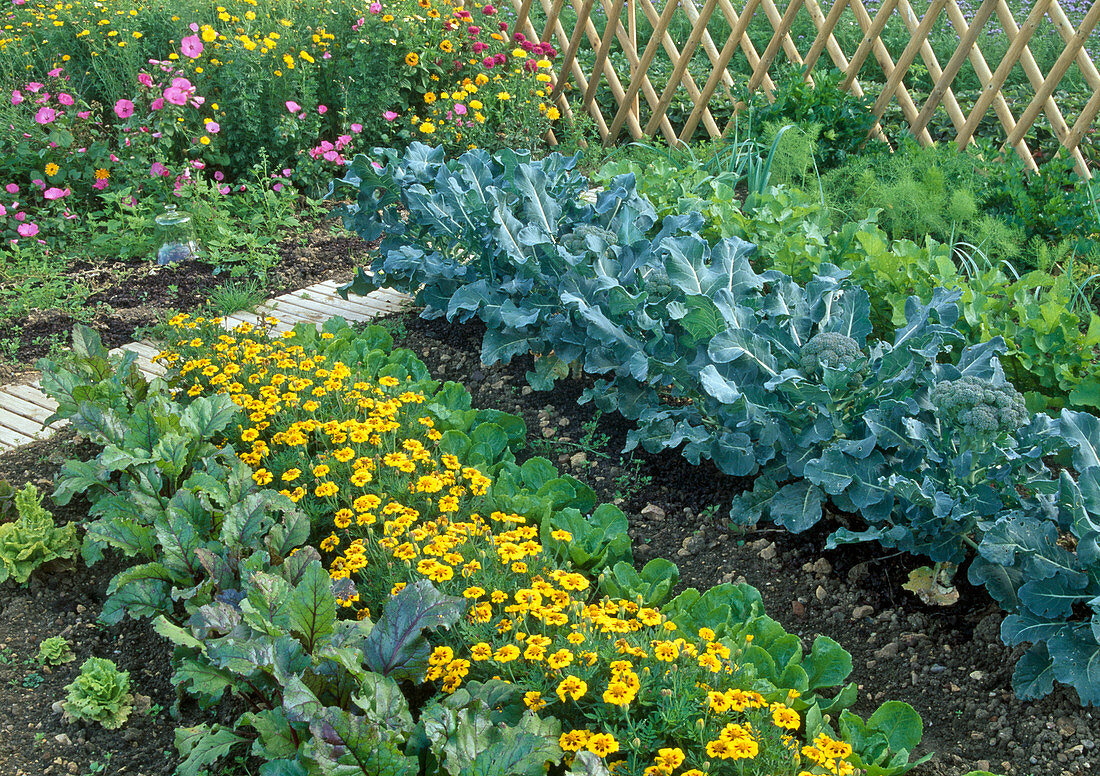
<point x="831" y="349"/>
<point x="978" y="409"/>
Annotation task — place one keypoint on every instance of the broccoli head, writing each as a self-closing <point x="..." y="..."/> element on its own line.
<point x="978" y="409"/>
<point x="831" y="349"/>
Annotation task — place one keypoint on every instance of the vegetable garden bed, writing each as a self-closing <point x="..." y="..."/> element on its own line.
<point x="948" y="664"/>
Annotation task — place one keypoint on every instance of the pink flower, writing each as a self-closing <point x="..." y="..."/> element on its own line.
<point x="3" y="210"/>
<point x="54" y="73"/>
<point x="101" y="184"/>
<point x="176" y="95"/>
<point x="27" y="230"/>
<point x="157" y="104"/>
<point x="65" y="99"/>
<point x="53" y="193"/>
<point x="213" y="127"/>
<point x="219" y="176"/>
<point x="278" y="187"/>
<point x="45" y="115"/>
<point x="157" y="169"/>
<point x="376" y="8"/>
<point x="16" y="97"/>
<point x="287" y="172"/>
<point x="34" y="87"/>
<point x="488" y="9"/>
<point x="145" y="79"/>
<point x="359" y="23"/>
<point x="389" y="115"/>
<point x="191" y="46"/>
<point x="357" y="128"/>
<point x="18" y="2"/>
<point x="478" y="46"/>
<point x="489" y="62"/>
<point x="39" y="183"/>
<point x="322" y="109"/>
<point x="84" y="114"/>
<point x="292" y="106"/>
<point x="20" y="216"/>
<point x="473" y="29"/>
<point x="124" y="109"/>
<point x="11" y="188"/>
<point x="460" y="109"/>
<point x="327" y="55"/>
<point x="224" y="190"/>
<point x="193" y="27"/>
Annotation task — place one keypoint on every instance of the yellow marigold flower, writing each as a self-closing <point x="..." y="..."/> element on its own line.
<point x="533" y="700"/>
<point x="561" y="536"/>
<point x="52" y="169"/>
<point x="262" y="477"/>
<point x="670" y="758"/>
<point x="570" y="687"/>
<point x="473" y="592"/>
<point x="506" y="654"/>
<point x="446" y="46"/>
<point x="602" y="744"/>
<point x="427" y="127"/>
<point x="481" y="651"/>
<point x="574" y="740"/>
<point x="397" y="588"/>
<point x="503" y="96"/>
<point x="519" y="53"/>
<point x="441" y="656"/>
<point x="412" y="59"/>
<point x="388" y="381"/>
<point x="326" y="489"/>
<point x="666" y="651"/>
<point x="342" y="519"/>
<point x="330" y="543"/>
<point x="785" y="717"/>
<point x="743" y="749"/>
<point x="560" y="659"/>
<point x="618" y="694"/>
<point x="719" y="749"/>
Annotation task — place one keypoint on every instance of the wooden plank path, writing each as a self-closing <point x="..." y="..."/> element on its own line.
<point x="24" y="408"/>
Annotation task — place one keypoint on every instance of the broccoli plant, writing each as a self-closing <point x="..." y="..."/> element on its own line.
<point x="979" y="411"/>
<point x="830" y="349"/>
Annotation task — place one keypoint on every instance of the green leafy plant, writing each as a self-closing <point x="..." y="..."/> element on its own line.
<point x="32" y="539"/>
<point x="100" y="693"/>
<point x="55" y="651"/>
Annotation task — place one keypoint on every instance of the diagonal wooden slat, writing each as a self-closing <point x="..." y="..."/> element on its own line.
<point x="781" y="26"/>
<point x="737" y="32"/>
<point x="643" y="65"/>
<point x="680" y="68"/>
<point x="1035" y="78"/>
<point x="901" y="67"/>
<point x="871" y="34"/>
<point x="571" y="47"/>
<point x="951" y="105"/>
<point x="1054" y="77"/>
<point x="1000" y="75"/>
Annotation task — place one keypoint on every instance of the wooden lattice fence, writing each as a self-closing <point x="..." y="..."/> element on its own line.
<point x="576" y="86"/>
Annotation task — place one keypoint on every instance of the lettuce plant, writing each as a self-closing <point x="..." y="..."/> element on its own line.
<point x="100" y="693"/>
<point x="32" y="539"/>
<point x="55" y="650"/>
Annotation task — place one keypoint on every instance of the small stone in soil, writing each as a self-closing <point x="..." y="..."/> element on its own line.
<point x="862" y="611"/>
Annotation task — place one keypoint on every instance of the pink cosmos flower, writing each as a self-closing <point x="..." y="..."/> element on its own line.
<point x="34" y="87"/>
<point x="20" y="216"/>
<point x="322" y="109"/>
<point x="278" y="187"/>
<point x="376" y="8"/>
<point x="224" y="190"/>
<point x="460" y="109"/>
<point x="124" y="109"/>
<point x="359" y="23"/>
<point x="53" y="193"/>
<point x="145" y="79"/>
<point x="389" y="115"/>
<point x="292" y="106"/>
<point x="54" y="73"/>
<point x="157" y="104"/>
<point x="157" y="169"/>
<point x="16" y="97"/>
<point x="65" y="99"/>
<point x="213" y="127"/>
<point x="11" y="188"/>
<point x="27" y="230"/>
<point x="84" y="114"/>
<point x="287" y="172"/>
<point x="45" y="115"/>
<point x="194" y="27"/>
<point x="219" y="176"/>
<point x="191" y="46"/>
<point x="356" y="128"/>
<point x="3" y="210"/>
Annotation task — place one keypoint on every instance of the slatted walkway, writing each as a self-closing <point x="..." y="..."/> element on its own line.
<point x="24" y="408"/>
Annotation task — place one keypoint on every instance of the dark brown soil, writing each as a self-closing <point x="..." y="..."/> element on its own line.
<point x="128" y="295"/>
